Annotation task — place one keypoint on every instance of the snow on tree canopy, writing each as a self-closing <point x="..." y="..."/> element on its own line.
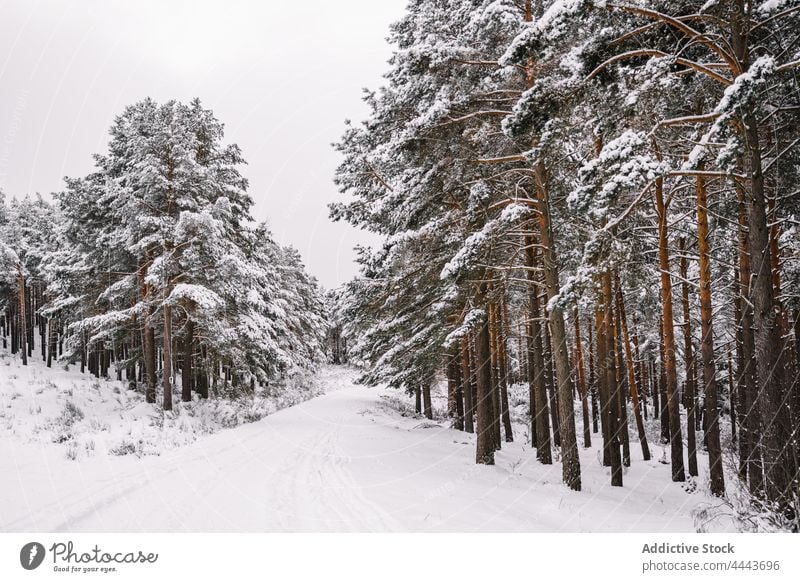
<point x="738" y="96"/>
<point x="200" y="296"/>
<point x="624" y="164"/>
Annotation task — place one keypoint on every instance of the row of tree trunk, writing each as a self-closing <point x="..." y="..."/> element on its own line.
<point x="137" y="356"/>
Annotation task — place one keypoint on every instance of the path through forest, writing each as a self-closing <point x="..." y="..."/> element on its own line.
<point x="346" y="461"/>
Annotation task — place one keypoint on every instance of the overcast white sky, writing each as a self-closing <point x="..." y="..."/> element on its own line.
<point x="281" y="75"/>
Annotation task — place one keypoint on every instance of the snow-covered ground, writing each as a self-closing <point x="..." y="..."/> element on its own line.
<point x="353" y="459"/>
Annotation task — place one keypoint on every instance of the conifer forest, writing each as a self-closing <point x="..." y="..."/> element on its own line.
<point x="584" y="278"/>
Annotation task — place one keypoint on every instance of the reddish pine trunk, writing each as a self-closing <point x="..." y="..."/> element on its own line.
<point x="485" y="442"/>
<point x="632" y="381"/>
<point x="709" y="372"/>
<point x="690" y="397"/>
<point x="503" y="357"/>
<point x="622" y="397"/>
<point x="602" y="375"/>
<point x="675" y="433"/>
<point x="610" y="360"/>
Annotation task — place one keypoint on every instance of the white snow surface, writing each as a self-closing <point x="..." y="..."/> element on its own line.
<point x="353" y="459"/>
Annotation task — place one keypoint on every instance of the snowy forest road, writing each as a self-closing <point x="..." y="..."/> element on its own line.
<point x="345" y="461"/>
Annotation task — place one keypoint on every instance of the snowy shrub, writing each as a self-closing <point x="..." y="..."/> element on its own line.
<point x="72" y="451"/>
<point x="397" y="404"/>
<point x="743" y="512"/>
<point x="95" y="425"/>
<point x="126" y="447"/>
<point x="71" y="414"/>
<point x="62" y="425"/>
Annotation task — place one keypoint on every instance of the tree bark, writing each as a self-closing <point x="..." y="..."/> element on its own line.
<point x="709" y="370"/>
<point x="503" y="360"/>
<point x="571" y="468"/>
<point x="466" y="386"/>
<point x="609" y="360"/>
<point x="770" y="391"/>
<point x="749" y="444"/>
<point x="495" y="375"/>
<point x="426" y="400"/>
<point x="632" y="381"/>
<point x="485" y="441"/>
<point x="167" y="355"/>
<point x="582" y="388"/>
<point x="622" y="396"/>
<point x="593" y="381"/>
<point x="539" y="405"/>
<point x="454" y="386"/>
<point x="602" y="363"/>
<point x="676" y="438"/>
<point x="690" y="396"/>
<point x="22" y="309"/>
<point x="188" y="362"/>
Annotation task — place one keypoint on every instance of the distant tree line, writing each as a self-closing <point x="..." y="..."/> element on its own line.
<point x="152" y="269"/>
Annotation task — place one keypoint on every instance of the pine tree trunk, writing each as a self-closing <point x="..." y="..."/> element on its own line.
<point x="733" y="397"/>
<point x="452" y="386"/>
<point x="690" y="394"/>
<point x="188" y="363"/>
<point x="455" y="395"/>
<point x="602" y="376"/>
<point x="44" y="341"/>
<point x="22" y="312"/>
<point x="593" y="381"/>
<point x="148" y="337"/>
<point x="622" y="403"/>
<point x="770" y="391"/>
<point x="426" y="400"/>
<point x="495" y="375"/>
<point x="466" y="386"/>
<point x="549" y="382"/>
<point x="609" y="359"/>
<point x="641" y="375"/>
<point x="632" y="381"/>
<point x="582" y="388"/>
<point x="51" y="342"/>
<point x="655" y="378"/>
<point x="485" y="442"/>
<point x="418" y="399"/>
<point x="787" y="430"/>
<point x="540" y="412"/>
<point x="459" y="394"/>
<point x="566" y="415"/>
<point x="167" y="355"/>
<point x="29" y="320"/>
<point x="709" y="371"/>
<point x="503" y="357"/>
<point x="675" y="433"/>
<point x="749" y="444"/>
